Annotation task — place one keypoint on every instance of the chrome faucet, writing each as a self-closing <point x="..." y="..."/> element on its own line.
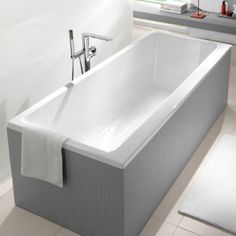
<point x="87" y="51"/>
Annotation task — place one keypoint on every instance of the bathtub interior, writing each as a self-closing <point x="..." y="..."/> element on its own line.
<point x="105" y="108"/>
<point x="177" y="58"/>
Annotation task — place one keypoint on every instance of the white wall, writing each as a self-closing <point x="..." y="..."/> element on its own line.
<point x="34" y="49"/>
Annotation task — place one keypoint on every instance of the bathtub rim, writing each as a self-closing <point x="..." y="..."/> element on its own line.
<point x="126" y="152"/>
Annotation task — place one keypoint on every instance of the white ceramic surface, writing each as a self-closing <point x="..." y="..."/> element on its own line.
<point x="111" y="112"/>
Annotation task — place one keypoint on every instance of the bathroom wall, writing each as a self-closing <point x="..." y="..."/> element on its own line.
<point x="34" y="49"/>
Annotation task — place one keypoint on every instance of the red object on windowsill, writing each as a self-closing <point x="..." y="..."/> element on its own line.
<point x="198" y="14"/>
<point x="223" y="8"/>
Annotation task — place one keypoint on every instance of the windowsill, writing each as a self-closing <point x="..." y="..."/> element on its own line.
<point x="151" y="11"/>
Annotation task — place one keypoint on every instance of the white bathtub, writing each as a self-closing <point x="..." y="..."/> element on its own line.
<point x="133" y="122"/>
<point x="110" y="113"/>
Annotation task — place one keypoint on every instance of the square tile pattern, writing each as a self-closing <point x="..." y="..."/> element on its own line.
<point x="165" y="221"/>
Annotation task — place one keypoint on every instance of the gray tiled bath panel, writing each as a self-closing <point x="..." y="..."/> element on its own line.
<point x="100" y="200"/>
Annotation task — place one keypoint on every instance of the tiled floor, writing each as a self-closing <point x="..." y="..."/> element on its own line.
<point x="165" y="221"/>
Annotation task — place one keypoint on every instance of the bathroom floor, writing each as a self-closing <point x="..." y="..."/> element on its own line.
<point x="165" y="221"/>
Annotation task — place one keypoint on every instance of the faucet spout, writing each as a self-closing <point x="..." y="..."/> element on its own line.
<point x="96" y="36"/>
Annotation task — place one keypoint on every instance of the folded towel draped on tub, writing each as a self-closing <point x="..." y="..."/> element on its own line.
<point x="41" y="154"/>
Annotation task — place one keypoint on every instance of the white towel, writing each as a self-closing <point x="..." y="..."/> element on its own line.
<point x="41" y="154"/>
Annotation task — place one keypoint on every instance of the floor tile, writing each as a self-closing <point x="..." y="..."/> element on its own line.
<point x="169" y="214"/>
<point x="5" y="187"/>
<point x="232" y="95"/>
<point x="218" y="129"/>
<point x="6" y="205"/>
<point x="232" y="80"/>
<point x="183" y="232"/>
<point x="23" y="223"/>
<point x="233" y="55"/>
<point x="168" y="209"/>
<point x="201" y="228"/>
<point x="66" y="232"/>
<point x="228" y="130"/>
<point x="230" y="114"/>
<point x="155" y="227"/>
